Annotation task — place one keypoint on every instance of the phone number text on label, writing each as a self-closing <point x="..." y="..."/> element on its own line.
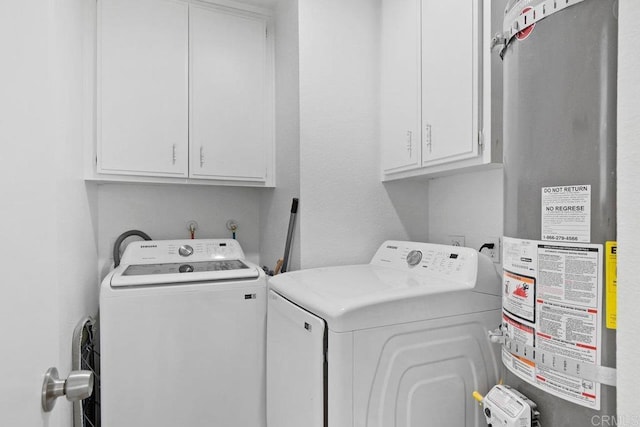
<point x="561" y="238"/>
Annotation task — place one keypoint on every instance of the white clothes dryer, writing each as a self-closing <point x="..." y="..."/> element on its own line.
<point x="399" y="342"/>
<point x="182" y="336"/>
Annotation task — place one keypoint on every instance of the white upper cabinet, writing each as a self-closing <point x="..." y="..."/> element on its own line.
<point x="229" y="109"/>
<point x="449" y="80"/>
<point x="185" y="93"/>
<point x="143" y="87"/>
<point x="400" y="85"/>
<point x="434" y="71"/>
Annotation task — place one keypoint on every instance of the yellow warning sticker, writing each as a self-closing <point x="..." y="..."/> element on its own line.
<point x="611" y="277"/>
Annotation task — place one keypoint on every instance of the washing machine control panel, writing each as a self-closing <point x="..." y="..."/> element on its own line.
<point x="171" y="262"/>
<point x="426" y="258"/>
<point x="175" y="251"/>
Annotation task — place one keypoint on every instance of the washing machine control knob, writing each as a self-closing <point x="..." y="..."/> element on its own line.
<point x="185" y="250"/>
<point x="414" y="257"/>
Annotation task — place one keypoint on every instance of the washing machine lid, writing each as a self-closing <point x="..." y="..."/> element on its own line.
<point x="158" y="262"/>
<point x="438" y="281"/>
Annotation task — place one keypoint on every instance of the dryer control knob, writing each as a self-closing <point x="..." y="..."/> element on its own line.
<point x="185" y="250"/>
<point x="414" y="257"/>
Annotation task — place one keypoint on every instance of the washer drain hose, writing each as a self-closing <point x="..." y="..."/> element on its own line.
<point x="120" y="239"/>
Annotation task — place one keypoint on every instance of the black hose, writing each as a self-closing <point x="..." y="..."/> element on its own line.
<point x="120" y="239"/>
<point x="487" y="246"/>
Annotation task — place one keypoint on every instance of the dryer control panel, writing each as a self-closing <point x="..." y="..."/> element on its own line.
<point x="456" y="263"/>
<point x="447" y="260"/>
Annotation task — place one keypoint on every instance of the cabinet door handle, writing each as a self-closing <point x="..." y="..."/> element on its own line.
<point x="201" y="156"/>
<point x="410" y="143"/>
<point x="174" y="154"/>
<point x="427" y="136"/>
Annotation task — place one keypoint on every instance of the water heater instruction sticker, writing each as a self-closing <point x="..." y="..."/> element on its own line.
<point x="565" y="283"/>
<point x="566" y="213"/>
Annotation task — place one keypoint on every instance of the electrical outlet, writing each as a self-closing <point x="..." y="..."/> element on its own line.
<point x="494" y="252"/>
<point x="456" y="240"/>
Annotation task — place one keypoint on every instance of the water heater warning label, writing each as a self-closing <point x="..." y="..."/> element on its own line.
<point x="552" y="302"/>
<point x="566" y="213"/>
<point x="518" y="295"/>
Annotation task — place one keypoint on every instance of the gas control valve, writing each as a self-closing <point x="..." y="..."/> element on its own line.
<point x="504" y="406"/>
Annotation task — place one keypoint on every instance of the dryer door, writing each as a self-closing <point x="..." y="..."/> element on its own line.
<point x="295" y="365"/>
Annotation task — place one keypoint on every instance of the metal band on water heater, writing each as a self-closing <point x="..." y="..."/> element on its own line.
<point x="516" y="21"/>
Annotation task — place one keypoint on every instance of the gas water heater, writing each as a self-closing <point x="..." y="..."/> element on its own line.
<point x="560" y="64"/>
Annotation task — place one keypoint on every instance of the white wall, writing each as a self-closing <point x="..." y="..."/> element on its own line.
<point x="628" y="211"/>
<point x="468" y="205"/>
<point x="275" y="205"/>
<point x="162" y="211"/>
<point x="76" y="202"/>
<point x="345" y="211"/>
<point x="48" y="216"/>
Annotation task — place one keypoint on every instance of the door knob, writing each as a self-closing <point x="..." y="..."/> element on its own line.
<point x="77" y="386"/>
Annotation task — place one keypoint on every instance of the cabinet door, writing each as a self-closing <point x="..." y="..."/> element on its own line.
<point x="143" y="87"/>
<point x="400" y="85"/>
<point x="449" y="80"/>
<point x="229" y="134"/>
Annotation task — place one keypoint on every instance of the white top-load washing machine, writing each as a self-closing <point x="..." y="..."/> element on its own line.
<point x="183" y="336"/>
<point x="399" y="342"/>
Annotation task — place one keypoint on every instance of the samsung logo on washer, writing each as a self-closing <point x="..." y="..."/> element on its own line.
<point x="148" y="246"/>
